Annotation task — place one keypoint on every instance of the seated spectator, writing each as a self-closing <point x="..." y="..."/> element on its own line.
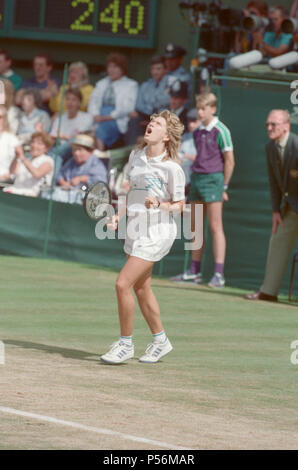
<point x="42" y="80"/>
<point x="178" y="100"/>
<point x="188" y="151"/>
<point x="294" y="14"/>
<point x="8" y="144"/>
<point x="112" y="101"/>
<point x="78" y="79"/>
<point x="31" y="175"/>
<point x="276" y="42"/>
<point x="33" y="118"/>
<point x="13" y="112"/>
<point x="6" y="70"/>
<point x="73" y="122"/>
<point x="83" y="168"/>
<point x="174" y="64"/>
<point x="153" y="97"/>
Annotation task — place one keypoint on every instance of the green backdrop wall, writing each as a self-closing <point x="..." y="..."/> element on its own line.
<point x="247" y="216"/>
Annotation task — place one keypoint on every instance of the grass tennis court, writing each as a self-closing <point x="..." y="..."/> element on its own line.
<point x="228" y="384"/>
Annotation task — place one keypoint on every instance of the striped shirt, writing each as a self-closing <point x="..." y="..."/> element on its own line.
<point x="211" y="142"/>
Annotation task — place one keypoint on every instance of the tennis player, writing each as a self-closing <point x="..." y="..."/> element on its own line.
<point x="156" y="191"/>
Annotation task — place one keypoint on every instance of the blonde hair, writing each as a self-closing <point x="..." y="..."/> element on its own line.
<point x="9" y="92"/>
<point x="5" y="119"/>
<point x="206" y="99"/>
<point x="85" y="74"/>
<point x="175" y="130"/>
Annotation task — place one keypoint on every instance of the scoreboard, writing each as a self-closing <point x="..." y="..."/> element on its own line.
<point x="129" y="23"/>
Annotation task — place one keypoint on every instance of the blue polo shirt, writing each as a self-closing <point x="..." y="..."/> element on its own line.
<point x="272" y="40"/>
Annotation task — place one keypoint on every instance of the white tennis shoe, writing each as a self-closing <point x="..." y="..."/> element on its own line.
<point x="155" y="351"/>
<point x="118" y="353"/>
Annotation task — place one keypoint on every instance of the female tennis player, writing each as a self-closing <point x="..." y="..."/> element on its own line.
<point x="156" y="191"/>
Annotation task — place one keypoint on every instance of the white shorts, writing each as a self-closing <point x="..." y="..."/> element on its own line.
<point x="152" y="245"/>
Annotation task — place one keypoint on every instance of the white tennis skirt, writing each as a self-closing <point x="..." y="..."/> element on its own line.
<point x="149" y="241"/>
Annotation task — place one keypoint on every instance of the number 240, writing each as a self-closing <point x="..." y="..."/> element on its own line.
<point x="111" y="16"/>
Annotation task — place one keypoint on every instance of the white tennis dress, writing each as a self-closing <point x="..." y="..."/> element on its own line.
<point x="150" y="233"/>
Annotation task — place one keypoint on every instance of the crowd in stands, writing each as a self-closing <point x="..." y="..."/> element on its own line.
<point x="40" y="141"/>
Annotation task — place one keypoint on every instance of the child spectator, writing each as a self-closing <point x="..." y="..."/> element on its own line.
<point x="112" y="101"/>
<point x="33" y="118"/>
<point x="13" y="112"/>
<point x="188" y="151"/>
<point x="6" y="70"/>
<point x="8" y="145"/>
<point x="78" y="79"/>
<point x="212" y="171"/>
<point x="31" y="175"/>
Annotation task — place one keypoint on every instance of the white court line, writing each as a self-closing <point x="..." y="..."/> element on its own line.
<point x="83" y="427"/>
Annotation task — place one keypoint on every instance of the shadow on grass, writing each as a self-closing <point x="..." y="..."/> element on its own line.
<point x="225" y="292"/>
<point x="67" y="353"/>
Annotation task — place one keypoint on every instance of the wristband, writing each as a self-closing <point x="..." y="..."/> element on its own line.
<point x="226" y="187"/>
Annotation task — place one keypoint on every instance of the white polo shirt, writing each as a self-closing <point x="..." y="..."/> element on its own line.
<point x="163" y="180"/>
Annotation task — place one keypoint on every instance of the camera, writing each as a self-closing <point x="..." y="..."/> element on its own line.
<point x="254" y="22"/>
<point x="290" y="26"/>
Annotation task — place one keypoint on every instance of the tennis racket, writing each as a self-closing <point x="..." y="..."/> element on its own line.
<point x="97" y="201"/>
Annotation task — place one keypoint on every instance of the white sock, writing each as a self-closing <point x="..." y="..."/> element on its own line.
<point x="127" y="340"/>
<point x="159" y="337"/>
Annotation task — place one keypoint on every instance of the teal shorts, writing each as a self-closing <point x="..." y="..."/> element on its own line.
<point x="206" y="187"/>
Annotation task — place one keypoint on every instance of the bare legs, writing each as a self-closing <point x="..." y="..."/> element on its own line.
<point x="137" y="273"/>
<point x="214" y="212"/>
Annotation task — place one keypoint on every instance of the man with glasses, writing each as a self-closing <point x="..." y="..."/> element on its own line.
<point x="282" y="164"/>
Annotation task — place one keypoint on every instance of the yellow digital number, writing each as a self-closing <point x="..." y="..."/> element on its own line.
<point x="111" y="15"/>
<point x="78" y="25"/>
<point x="140" y="20"/>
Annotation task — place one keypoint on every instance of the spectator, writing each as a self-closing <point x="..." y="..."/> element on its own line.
<point x="13" y="112"/>
<point x="153" y="97"/>
<point x="294" y="9"/>
<point x="8" y="144"/>
<point x="83" y="168"/>
<point x="294" y="14"/>
<point x="78" y="79"/>
<point x="174" y="60"/>
<point x="112" y="101"/>
<point x="246" y="41"/>
<point x="178" y="100"/>
<point x="282" y="163"/>
<point x="212" y="171"/>
<point x="42" y="80"/>
<point x="188" y="151"/>
<point x="31" y="175"/>
<point x="33" y="118"/>
<point x="276" y="42"/>
<point x="73" y="122"/>
<point x="7" y="72"/>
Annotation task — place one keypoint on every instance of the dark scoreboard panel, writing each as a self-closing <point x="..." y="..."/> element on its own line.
<point x="1" y="14"/>
<point x="114" y="22"/>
